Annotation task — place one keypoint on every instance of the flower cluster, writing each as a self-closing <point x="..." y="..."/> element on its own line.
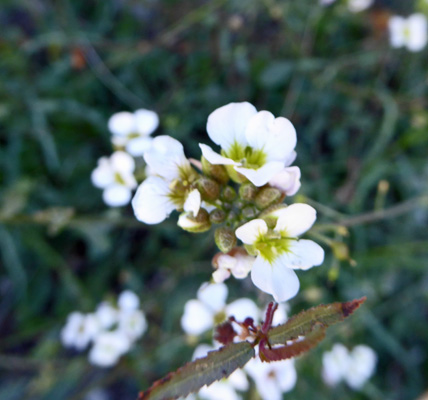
<point x="111" y="330"/>
<point x="354" y="367"/>
<point x="130" y="138"/>
<point x="240" y="189"/>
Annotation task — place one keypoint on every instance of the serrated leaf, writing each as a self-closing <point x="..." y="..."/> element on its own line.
<point x="294" y="349"/>
<point x="191" y="377"/>
<point x="304" y="322"/>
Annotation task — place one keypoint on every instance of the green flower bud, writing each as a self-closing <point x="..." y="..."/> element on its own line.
<point x="248" y="192"/>
<point x="228" y="194"/>
<point x="249" y="212"/>
<point x="190" y="223"/>
<point x="340" y="251"/>
<point x="267" y="197"/>
<point x="217" y="216"/>
<point x="225" y="239"/>
<point x="209" y="189"/>
<point x="217" y="172"/>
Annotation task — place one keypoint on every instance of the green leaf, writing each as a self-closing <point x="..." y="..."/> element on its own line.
<point x="304" y="322"/>
<point x="191" y="377"/>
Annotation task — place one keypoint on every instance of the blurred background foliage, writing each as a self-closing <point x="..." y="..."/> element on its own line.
<point x="360" y="110"/>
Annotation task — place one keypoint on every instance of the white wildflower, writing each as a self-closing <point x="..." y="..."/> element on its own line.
<point x="128" y="301"/>
<point x="409" y="32"/>
<point x="359" y="5"/>
<point x="80" y="330"/>
<point x="108" y="348"/>
<point x="116" y="176"/>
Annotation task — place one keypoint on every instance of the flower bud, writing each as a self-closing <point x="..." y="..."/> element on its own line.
<point x="217" y="216"/>
<point x="248" y="192"/>
<point x="228" y="194"/>
<point x="217" y="172"/>
<point x="340" y="250"/>
<point x="249" y="212"/>
<point x="267" y="197"/>
<point x="200" y="223"/>
<point x="209" y="189"/>
<point x="225" y="239"/>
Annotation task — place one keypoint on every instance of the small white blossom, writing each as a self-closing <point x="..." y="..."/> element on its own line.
<point x="80" y="330"/>
<point x="108" y="348"/>
<point x="255" y="145"/>
<point x="116" y="176"/>
<point x="272" y="379"/>
<point x="279" y="252"/>
<point x="167" y="189"/>
<point x="354" y="367"/>
<point x="237" y="262"/>
<point x="132" y="323"/>
<point x="408" y="32"/>
<point x="132" y="130"/>
<point x="210" y="308"/>
<point x="107" y="315"/>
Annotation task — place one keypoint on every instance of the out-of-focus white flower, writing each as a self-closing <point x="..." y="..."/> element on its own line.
<point x="128" y="301"/>
<point x="108" y="347"/>
<point x="210" y="308"/>
<point x="287" y="181"/>
<point x="359" y="5"/>
<point x="107" y="315"/>
<point x="279" y="252"/>
<point x="354" y="367"/>
<point x="132" y="323"/>
<point x="133" y="130"/>
<point x="167" y="189"/>
<point x="80" y="330"/>
<point x="97" y="394"/>
<point x="361" y="367"/>
<point x="254" y="145"/>
<point x="409" y="32"/>
<point x="237" y="262"/>
<point x="272" y="379"/>
<point x="116" y="176"/>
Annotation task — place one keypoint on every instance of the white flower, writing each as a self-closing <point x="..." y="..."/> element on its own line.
<point x="409" y="32"/>
<point x="108" y="347"/>
<point x="128" y="301"/>
<point x="359" y="5"/>
<point x="237" y="262"/>
<point x="254" y="144"/>
<point x="107" y="315"/>
<point x="210" y="308"/>
<point x="133" y="130"/>
<point x="168" y="188"/>
<point x="287" y="181"/>
<point x="272" y="379"/>
<point x="279" y="252"/>
<point x="80" y="330"/>
<point x="132" y="323"/>
<point x="116" y="176"/>
<point x="354" y="367"/>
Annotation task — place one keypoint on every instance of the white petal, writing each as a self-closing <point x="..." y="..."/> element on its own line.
<point x="122" y="123"/>
<point x="122" y="162"/>
<point x="262" y="175"/>
<point x="128" y="301"/>
<point x="286" y="375"/>
<point x="215" y="158"/>
<point x="243" y="266"/>
<point x="201" y="351"/>
<point x="197" y="318"/>
<point x="227" y="124"/>
<point x="138" y="146"/>
<point x="117" y="195"/>
<point x="193" y="202"/>
<point x="220" y="275"/>
<point x="303" y="254"/>
<point x="290" y="159"/>
<point x="220" y="390"/>
<point x="278" y="280"/>
<point x="417" y="40"/>
<point x="103" y="175"/>
<point x="146" y="121"/>
<point x="281" y="314"/>
<point x="275" y="136"/>
<point x="250" y="232"/>
<point x="239" y="380"/>
<point x="335" y="364"/>
<point x="108" y="347"/>
<point x="132" y="323"/>
<point x="295" y="219"/>
<point x="151" y="203"/>
<point x="166" y="157"/>
<point x="359" y="5"/>
<point x="287" y="180"/>
<point x="243" y="308"/>
<point x="107" y="315"/>
<point x="213" y="296"/>
<point x="396" y="27"/>
<point x="361" y="366"/>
